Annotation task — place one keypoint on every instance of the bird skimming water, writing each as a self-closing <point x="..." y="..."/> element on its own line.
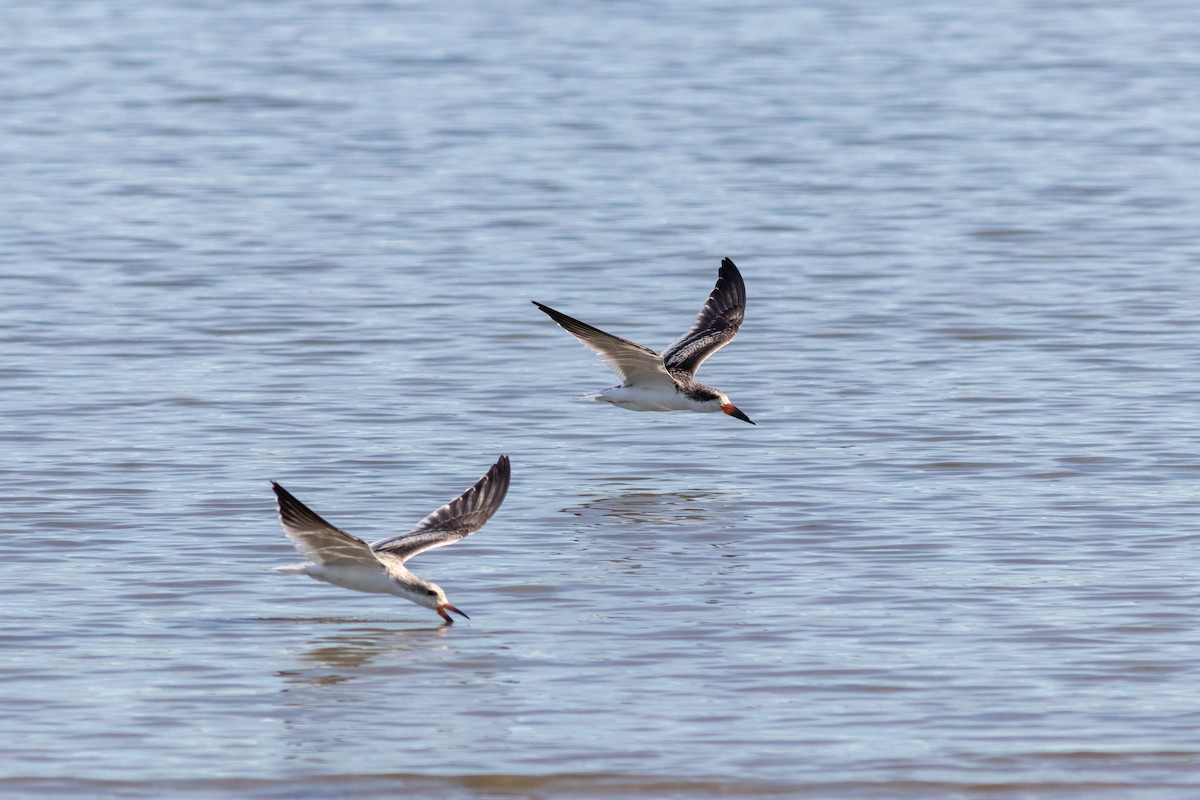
<point x="347" y="561"/>
<point x="667" y="381"/>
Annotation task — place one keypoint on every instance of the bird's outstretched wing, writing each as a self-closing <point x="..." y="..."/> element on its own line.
<point x="715" y="325"/>
<point x="459" y="518"/>
<point x="316" y="538"/>
<point x="631" y="361"/>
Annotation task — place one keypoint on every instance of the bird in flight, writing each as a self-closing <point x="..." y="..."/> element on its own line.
<point x="345" y="560"/>
<point x="667" y="381"/>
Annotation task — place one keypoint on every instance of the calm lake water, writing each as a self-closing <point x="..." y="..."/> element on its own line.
<point x="956" y="557"/>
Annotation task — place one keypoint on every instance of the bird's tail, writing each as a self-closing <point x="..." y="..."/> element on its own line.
<point x="291" y="569"/>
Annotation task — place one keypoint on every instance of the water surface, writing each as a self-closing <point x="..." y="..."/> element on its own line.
<point x="251" y="242"/>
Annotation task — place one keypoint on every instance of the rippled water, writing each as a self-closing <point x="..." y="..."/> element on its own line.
<point x="297" y="241"/>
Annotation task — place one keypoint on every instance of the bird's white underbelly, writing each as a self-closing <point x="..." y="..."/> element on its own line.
<point x="639" y="398"/>
<point x="373" y="580"/>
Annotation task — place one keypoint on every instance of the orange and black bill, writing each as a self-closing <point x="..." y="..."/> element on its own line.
<point x="444" y="607"/>
<point x="732" y="410"/>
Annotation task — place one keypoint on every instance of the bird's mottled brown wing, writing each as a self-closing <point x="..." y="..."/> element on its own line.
<point x="715" y="325"/>
<point x="630" y="360"/>
<point x="316" y="538"/>
<point x="457" y="519"/>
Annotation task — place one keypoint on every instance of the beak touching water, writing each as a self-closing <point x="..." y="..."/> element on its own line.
<point x="444" y="607"/>
<point x="732" y="410"/>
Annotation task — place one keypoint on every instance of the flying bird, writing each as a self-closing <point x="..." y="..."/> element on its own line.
<point x="345" y="560"/>
<point x="667" y="381"/>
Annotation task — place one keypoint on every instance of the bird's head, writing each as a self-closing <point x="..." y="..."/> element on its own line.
<point x="432" y="596"/>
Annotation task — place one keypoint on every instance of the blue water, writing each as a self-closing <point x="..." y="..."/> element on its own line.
<point x="955" y="558"/>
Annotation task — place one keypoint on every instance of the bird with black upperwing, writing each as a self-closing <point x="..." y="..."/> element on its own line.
<point x="667" y="382"/>
<point x="345" y="560"/>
